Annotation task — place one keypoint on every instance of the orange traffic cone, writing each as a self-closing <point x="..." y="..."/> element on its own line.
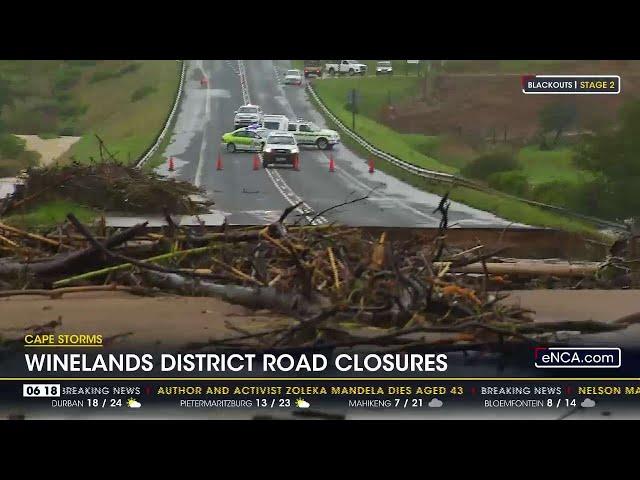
<point x="219" y="162"/>
<point x="256" y="162"/>
<point x="332" y="164"/>
<point x="296" y="163"/>
<point x="171" y="164"/>
<point x="371" y="169"/>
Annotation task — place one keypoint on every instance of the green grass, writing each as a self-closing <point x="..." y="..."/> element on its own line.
<point x="404" y="147"/>
<point x="50" y="214"/>
<point x="127" y="128"/>
<point x="373" y="93"/>
<point x="334" y="95"/>
<point x="542" y="166"/>
<point x="447" y="150"/>
<point x="63" y="98"/>
<point x="48" y="135"/>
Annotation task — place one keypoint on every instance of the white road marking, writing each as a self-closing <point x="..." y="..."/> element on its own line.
<point x="285" y="190"/>
<point x="203" y="145"/>
<point x="399" y="203"/>
<point x="350" y="179"/>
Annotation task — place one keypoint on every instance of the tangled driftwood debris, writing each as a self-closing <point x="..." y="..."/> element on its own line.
<point x="340" y="286"/>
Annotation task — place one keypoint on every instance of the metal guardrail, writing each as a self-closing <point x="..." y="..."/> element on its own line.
<point x="447" y="177"/>
<point x="149" y="153"/>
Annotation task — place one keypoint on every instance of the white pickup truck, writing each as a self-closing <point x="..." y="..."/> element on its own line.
<point x="351" y="67"/>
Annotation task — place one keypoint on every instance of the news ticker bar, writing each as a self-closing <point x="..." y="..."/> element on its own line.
<point x="304" y="393"/>
<point x="571" y="84"/>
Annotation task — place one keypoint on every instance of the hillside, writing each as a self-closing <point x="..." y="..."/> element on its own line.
<point x="125" y="102"/>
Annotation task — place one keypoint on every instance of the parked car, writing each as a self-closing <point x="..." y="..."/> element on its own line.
<point x="312" y="67"/>
<point x="350" y="67"/>
<point x="293" y="77"/>
<point x="384" y="67"/>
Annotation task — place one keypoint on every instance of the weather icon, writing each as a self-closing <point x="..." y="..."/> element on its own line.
<point x="133" y="403"/>
<point x="588" y="403"/>
<point x="435" y="403"/>
<point x="301" y="403"/>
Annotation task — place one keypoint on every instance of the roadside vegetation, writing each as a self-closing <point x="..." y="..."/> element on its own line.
<point x="49" y="213"/>
<point x="509" y="209"/>
<point x="556" y="165"/>
<point x="124" y="102"/>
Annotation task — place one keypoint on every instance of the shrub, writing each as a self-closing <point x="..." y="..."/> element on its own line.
<point x="72" y="109"/>
<point x="68" y="131"/>
<point x="132" y="67"/>
<point x="142" y="92"/>
<point x="349" y="107"/>
<point x="561" y="193"/>
<point x="47" y="135"/>
<point x="11" y="146"/>
<point x="30" y="158"/>
<point x="100" y="76"/>
<point x="46" y="106"/>
<point x="513" y="182"/>
<point x="62" y="97"/>
<point x="485" y="165"/>
<point x="65" y="78"/>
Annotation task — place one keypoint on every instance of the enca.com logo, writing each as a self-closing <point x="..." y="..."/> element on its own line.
<point x="577" y="357"/>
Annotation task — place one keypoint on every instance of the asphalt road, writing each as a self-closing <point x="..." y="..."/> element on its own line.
<point x="250" y="197"/>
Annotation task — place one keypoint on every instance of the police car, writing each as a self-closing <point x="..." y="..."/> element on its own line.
<point x="248" y="139"/>
<point x="308" y="133"/>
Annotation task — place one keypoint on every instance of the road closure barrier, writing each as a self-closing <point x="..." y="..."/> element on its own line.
<point x="448" y="178"/>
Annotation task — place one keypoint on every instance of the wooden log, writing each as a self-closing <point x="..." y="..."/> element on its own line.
<point x="73" y="261"/>
<point x="530" y="269"/>
<point x="33" y="236"/>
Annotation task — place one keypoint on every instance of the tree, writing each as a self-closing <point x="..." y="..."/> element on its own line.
<point x="614" y="155"/>
<point x="485" y="165"/>
<point x="557" y="117"/>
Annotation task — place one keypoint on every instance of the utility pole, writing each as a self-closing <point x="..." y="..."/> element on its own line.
<point x="353" y="109"/>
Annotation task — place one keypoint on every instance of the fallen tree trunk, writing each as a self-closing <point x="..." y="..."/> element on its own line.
<point x="71" y="262"/>
<point x="252" y="297"/>
<point x="58" y="292"/>
<point x="526" y="269"/>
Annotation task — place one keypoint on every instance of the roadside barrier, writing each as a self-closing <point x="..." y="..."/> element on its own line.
<point x="448" y="178"/>
<point x="149" y="153"/>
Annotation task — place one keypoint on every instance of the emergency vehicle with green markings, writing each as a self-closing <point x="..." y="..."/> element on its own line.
<point x="308" y="133"/>
<point x="247" y="139"/>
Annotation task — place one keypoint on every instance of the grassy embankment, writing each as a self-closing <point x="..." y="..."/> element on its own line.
<point x="374" y="92"/>
<point x="124" y="102"/>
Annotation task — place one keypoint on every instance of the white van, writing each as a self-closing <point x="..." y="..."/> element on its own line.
<point x="275" y="122"/>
